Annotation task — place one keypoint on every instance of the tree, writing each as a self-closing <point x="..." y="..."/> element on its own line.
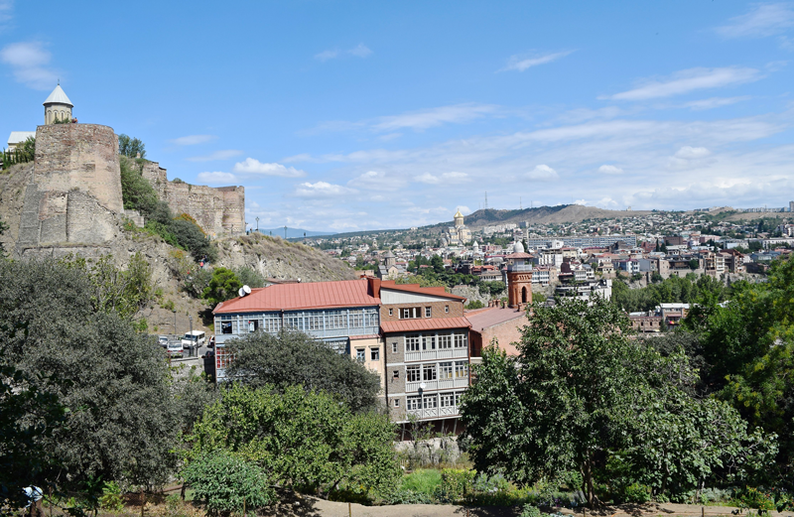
<point x="581" y="391"/>
<point x="292" y="358"/>
<point x="228" y="484"/>
<point x="301" y="438"/>
<point x="130" y="147"/>
<point x="112" y="379"/>
<point x="223" y="286"/>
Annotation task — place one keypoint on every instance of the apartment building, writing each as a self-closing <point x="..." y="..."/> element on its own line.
<point x="426" y="353"/>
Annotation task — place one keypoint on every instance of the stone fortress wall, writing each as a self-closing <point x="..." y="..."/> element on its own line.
<point x="74" y="197"/>
<point x="218" y="210"/>
<point x="75" y="192"/>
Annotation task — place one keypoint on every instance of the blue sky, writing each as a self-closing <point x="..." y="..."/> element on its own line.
<point x="344" y="116"/>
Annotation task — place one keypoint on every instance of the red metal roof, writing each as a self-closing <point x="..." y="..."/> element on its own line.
<point x="492" y="316"/>
<point x="313" y="295"/>
<point x="414" y="288"/>
<point x="418" y="324"/>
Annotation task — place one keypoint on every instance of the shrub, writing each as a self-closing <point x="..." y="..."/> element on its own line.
<point x="455" y="485"/>
<point x="754" y="498"/>
<point x="637" y="493"/>
<point x="111" y="498"/>
<point x="227" y="483"/>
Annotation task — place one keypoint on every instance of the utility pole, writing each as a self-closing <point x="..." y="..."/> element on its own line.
<point x="257" y="225"/>
<point x="285" y="233"/>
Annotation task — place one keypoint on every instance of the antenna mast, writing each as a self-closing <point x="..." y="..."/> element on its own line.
<point x="486" y="200"/>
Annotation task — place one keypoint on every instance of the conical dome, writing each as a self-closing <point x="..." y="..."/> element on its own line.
<point x="58" y="96"/>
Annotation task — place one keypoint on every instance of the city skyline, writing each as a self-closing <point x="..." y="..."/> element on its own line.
<point x="354" y="116"/>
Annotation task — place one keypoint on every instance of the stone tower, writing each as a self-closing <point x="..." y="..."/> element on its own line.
<point x="519" y="277"/>
<point x="57" y="107"/>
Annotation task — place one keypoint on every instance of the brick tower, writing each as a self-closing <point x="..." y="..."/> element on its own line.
<point x="519" y="277"/>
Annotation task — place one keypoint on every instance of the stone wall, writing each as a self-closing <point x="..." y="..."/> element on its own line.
<point x="75" y="192"/>
<point x="219" y="211"/>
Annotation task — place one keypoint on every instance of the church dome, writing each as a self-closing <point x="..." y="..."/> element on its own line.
<point x="58" y="96"/>
<point x="518" y="247"/>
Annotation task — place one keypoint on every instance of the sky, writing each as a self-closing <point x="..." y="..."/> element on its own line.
<point x="345" y="116"/>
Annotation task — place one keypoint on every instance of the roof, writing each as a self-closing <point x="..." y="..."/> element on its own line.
<point x="58" y="97"/>
<point x="312" y="295"/>
<point x="516" y="256"/>
<point x="17" y="137"/>
<point x="413" y="325"/>
<point x="414" y="288"/>
<point x="490" y="317"/>
<point x="457" y="214"/>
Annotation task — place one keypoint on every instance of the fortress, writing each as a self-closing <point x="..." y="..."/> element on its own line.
<point x="73" y="197"/>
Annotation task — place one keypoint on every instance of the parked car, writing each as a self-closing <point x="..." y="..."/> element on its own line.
<point x="163" y="340"/>
<point x="174" y="348"/>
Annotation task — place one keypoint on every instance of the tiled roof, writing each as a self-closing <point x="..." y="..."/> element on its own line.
<point x="418" y="324"/>
<point x="489" y="317"/>
<point x="312" y="295"/>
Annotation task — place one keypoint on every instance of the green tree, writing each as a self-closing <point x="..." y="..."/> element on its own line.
<point x="293" y="358"/>
<point x="112" y="379"/>
<point x="301" y="438"/>
<point x="223" y="286"/>
<point x="228" y="484"/>
<point x="130" y="147"/>
<point x="582" y="391"/>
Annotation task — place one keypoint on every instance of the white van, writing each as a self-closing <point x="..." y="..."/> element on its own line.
<point x="194" y="339"/>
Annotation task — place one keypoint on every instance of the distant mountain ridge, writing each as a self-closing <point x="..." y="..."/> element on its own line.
<point x="544" y="215"/>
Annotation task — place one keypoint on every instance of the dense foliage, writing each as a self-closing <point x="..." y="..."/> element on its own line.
<point x="584" y="396"/>
<point x="301" y="438"/>
<point x="23" y="153"/>
<point x="671" y="290"/>
<point x="292" y="358"/>
<point x="223" y="285"/>
<point x="228" y="484"/>
<point x="130" y="147"/>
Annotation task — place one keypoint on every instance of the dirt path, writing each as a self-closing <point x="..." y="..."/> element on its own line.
<point x="311" y="507"/>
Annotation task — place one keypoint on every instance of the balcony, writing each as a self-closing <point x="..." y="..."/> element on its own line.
<point x="434" y="412"/>
<point x="442" y="353"/>
<point x="441" y="384"/>
<point x="519" y="268"/>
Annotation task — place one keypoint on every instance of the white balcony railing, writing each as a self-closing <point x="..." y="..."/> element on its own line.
<point x="442" y="384"/>
<point x="429" y="355"/>
<point x="434" y="412"/>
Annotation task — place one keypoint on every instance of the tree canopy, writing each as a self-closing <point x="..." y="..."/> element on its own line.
<point x="582" y="391"/>
<point x="293" y="358"/>
<point x="130" y="147"/>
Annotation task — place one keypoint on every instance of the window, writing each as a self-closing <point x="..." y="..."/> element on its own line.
<point x="446" y="308"/>
<point x="428" y="342"/>
<point x="360" y="355"/>
<point x="374" y="354"/>
<point x="430" y="402"/>
<point x="447" y="399"/>
<point x="226" y="327"/>
<point x="445" y="370"/>
<point x="409" y="312"/>
<point x="457" y="397"/>
<point x="461" y="369"/>
<point x="411" y="343"/>
<point x="460" y="341"/>
<point x="428" y="312"/>
<point x="396" y="402"/>
<point x="391" y="312"/>
<point x="429" y="372"/>
<point x="445" y="341"/>
<point x="412" y="403"/>
<point x="396" y="374"/>
<point x="253" y="325"/>
<point x="413" y="374"/>
<point x="394" y="347"/>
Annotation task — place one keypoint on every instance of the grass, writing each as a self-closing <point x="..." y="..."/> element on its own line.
<point x="422" y="480"/>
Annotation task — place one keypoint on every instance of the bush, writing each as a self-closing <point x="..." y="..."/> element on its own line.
<point x="455" y="485"/>
<point x="227" y="483"/>
<point x="111" y="498"/>
<point x="250" y="277"/>
<point x="754" y="498"/>
<point x="475" y="304"/>
<point x="637" y="493"/>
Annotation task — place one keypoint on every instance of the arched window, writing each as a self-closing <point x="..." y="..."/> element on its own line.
<point x="523" y="295"/>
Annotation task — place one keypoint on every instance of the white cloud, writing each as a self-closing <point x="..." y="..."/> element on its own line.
<point x="692" y="153"/>
<point x="523" y="62"/>
<point x="6" y="9"/>
<point x="217" y="155"/>
<point x="359" y="50"/>
<point x="446" y="178"/>
<point x="378" y="180"/>
<point x="29" y="63"/>
<point x="686" y="81"/>
<point x="763" y="20"/>
<point x="610" y="169"/>
<point x="321" y="189"/>
<point x="713" y="102"/>
<point x="214" y="178"/>
<point x="252" y="166"/>
<point x="423" y="119"/>
<point x="542" y="172"/>
<point x="193" y="139"/>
